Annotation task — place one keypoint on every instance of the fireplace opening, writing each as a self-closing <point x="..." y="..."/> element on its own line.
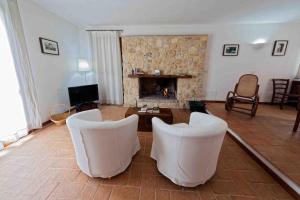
<point x="157" y="88"/>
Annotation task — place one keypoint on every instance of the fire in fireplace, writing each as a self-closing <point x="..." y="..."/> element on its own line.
<point x="157" y="88"/>
<point x="165" y="92"/>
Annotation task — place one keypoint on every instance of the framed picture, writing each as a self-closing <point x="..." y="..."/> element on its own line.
<point x="231" y="49"/>
<point x="279" y="48"/>
<point x="49" y="46"/>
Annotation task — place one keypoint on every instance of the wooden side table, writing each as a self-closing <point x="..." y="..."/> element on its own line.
<point x="145" y="123"/>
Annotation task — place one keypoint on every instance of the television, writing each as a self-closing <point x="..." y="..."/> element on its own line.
<point x="83" y="94"/>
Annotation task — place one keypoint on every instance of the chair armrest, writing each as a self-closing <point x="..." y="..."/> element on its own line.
<point x="196" y="119"/>
<point x="230" y="92"/>
<point x="90" y="115"/>
<point x="161" y="126"/>
<point x="208" y="122"/>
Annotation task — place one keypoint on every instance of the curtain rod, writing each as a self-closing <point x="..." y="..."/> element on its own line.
<point x="105" y="30"/>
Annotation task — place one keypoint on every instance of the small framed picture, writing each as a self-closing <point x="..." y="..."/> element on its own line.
<point x="231" y="49"/>
<point x="49" y="46"/>
<point x="279" y="48"/>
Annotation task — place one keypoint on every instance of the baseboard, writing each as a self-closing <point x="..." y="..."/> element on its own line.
<point x="46" y="123"/>
<point x="220" y="101"/>
<point x="214" y="101"/>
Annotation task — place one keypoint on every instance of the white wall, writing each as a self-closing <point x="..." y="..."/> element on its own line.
<point x="224" y="71"/>
<point x="52" y="74"/>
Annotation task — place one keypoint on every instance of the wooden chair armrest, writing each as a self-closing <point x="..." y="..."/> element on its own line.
<point x="228" y="94"/>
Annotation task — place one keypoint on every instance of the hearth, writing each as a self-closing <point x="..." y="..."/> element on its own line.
<point x="158" y="88"/>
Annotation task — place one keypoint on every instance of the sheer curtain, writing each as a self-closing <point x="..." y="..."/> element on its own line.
<point x="106" y="58"/>
<point x="22" y="98"/>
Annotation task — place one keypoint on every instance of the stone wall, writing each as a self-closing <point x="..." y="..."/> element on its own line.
<point x="172" y="55"/>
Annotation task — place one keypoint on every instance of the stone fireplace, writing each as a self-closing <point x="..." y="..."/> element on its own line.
<point x="181" y="61"/>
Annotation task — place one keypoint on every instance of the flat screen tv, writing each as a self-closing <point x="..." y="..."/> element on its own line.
<point x="83" y="94"/>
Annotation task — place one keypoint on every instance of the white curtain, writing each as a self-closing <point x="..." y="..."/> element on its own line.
<point x="106" y="59"/>
<point x="10" y="16"/>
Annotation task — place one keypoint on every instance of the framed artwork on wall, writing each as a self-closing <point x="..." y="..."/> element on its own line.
<point x="279" y="48"/>
<point x="231" y="49"/>
<point x="49" y="46"/>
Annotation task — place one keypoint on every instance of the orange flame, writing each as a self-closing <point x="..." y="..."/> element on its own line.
<point x="165" y="92"/>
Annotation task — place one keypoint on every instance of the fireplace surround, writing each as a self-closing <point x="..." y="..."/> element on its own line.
<point x="175" y="56"/>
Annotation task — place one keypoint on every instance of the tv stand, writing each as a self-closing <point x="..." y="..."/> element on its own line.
<point x="86" y="106"/>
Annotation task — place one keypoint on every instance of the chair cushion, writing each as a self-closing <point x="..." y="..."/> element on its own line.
<point x="247" y="85"/>
<point x="187" y="154"/>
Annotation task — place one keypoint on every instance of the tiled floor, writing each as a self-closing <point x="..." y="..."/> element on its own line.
<point x="44" y="167"/>
<point x="269" y="133"/>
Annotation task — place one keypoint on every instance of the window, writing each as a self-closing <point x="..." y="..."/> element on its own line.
<point x="12" y="118"/>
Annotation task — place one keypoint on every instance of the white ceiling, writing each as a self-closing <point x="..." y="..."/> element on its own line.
<point x="148" y="12"/>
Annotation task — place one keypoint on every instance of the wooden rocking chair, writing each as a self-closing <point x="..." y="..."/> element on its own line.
<point x="245" y="91"/>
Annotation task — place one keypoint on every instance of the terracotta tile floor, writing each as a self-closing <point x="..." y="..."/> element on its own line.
<point x="269" y="133"/>
<point x="44" y="167"/>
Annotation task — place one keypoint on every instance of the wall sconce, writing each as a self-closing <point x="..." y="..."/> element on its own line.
<point x="259" y="43"/>
<point x="83" y="66"/>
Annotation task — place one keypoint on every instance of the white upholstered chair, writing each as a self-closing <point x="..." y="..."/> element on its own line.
<point x="188" y="153"/>
<point x="103" y="148"/>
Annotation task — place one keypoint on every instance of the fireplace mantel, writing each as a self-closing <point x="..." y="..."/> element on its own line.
<point x="158" y="76"/>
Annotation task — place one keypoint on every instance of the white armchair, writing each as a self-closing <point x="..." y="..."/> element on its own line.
<point x="103" y="148"/>
<point x="188" y="153"/>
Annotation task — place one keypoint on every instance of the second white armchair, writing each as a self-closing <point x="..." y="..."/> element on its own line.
<point x="188" y="153"/>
